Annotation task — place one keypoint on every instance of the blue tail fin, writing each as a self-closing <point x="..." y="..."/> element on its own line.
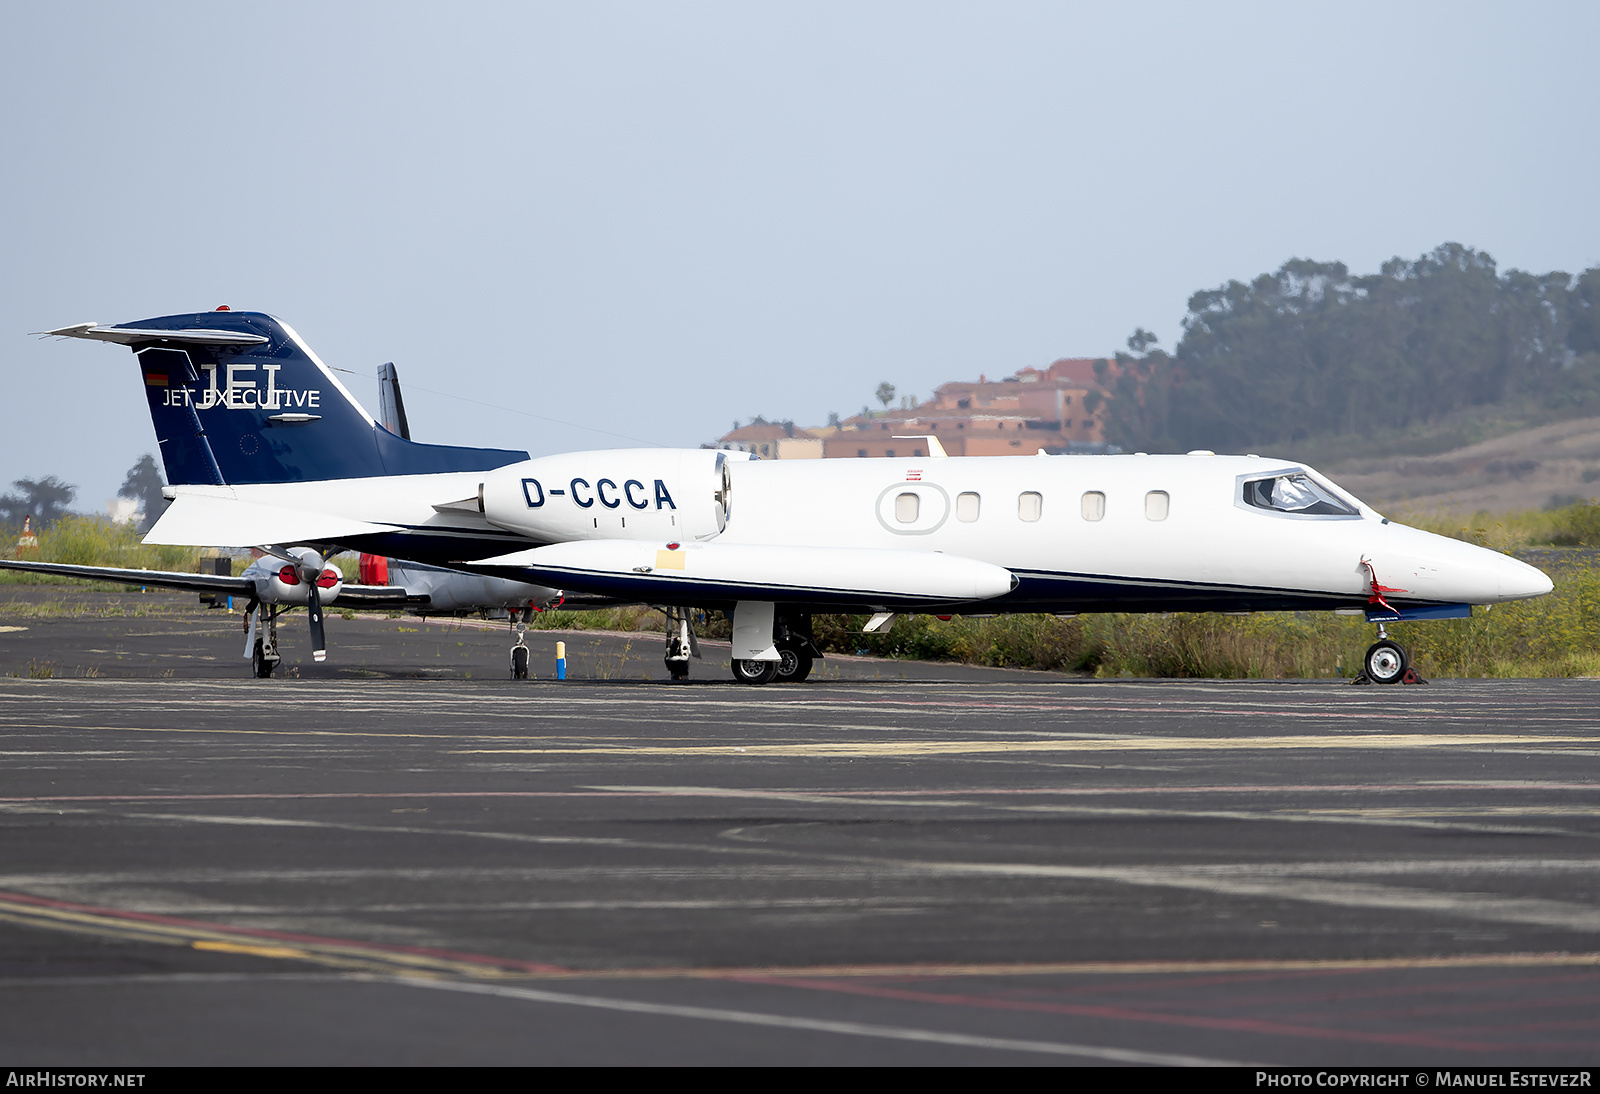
<point x="265" y="409"/>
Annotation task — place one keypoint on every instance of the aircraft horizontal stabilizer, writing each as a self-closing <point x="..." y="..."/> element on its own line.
<point x="128" y="336"/>
<point x="214" y="521"/>
<point x="685" y="573"/>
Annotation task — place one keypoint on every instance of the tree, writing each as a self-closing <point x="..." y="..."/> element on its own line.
<point x="144" y="485"/>
<point x="1313" y="350"/>
<point x="885" y="394"/>
<point x="1141" y="340"/>
<point x="45" y="500"/>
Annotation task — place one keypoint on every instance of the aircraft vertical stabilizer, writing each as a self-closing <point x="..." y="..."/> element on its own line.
<point x="238" y="399"/>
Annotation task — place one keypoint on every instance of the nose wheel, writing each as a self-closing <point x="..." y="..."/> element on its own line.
<point x="1387" y="662"/>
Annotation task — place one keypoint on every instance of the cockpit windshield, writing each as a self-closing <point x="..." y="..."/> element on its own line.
<point x="1298" y="494"/>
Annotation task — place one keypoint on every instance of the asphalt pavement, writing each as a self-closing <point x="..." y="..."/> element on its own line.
<point x="392" y="867"/>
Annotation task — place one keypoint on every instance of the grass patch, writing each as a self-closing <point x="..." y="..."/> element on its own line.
<point x="627" y="617"/>
<point x="95" y="541"/>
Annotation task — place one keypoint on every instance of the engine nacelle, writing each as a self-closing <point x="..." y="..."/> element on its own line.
<point x="628" y="493"/>
<point x="280" y="582"/>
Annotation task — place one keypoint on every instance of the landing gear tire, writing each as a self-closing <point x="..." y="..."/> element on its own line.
<point x="793" y="665"/>
<point x="1387" y="662"/>
<point x="261" y="664"/>
<point x="755" y="672"/>
<point x="677" y="670"/>
<point x="519" y="662"/>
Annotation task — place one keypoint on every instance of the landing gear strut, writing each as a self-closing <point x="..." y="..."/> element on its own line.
<point x="261" y="638"/>
<point x="681" y="642"/>
<point x="520" y="618"/>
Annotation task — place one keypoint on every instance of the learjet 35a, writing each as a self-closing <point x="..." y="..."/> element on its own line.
<point x="263" y="446"/>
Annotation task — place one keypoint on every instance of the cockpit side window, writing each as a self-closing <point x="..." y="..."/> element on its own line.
<point x="1296" y="494"/>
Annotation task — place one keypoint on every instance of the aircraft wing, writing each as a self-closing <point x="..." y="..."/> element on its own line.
<point x="350" y="596"/>
<point x="638" y="570"/>
<point x="163" y="579"/>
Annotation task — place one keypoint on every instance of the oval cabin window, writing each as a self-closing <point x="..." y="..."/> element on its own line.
<point x="906" y="507"/>
<point x="967" y="507"/>
<point x="1030" y="505"/>
<point x="1156" y="503"/>
<point x="1094" y="505"/>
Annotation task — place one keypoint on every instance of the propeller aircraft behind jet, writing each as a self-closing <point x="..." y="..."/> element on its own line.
<point x="300" y="577"/>
<point x="262" y="445"/>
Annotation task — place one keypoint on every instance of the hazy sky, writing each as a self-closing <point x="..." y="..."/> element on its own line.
<point x="651" y="219"/>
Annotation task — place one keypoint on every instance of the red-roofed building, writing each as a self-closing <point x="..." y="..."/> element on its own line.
<point x="772" y="441"/>
<point x="1037" y="409"/>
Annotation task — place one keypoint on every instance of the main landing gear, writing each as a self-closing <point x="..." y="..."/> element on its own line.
<point x="681" y="642"/>
<point x="797" y="653"/>
<point x="520" y="618"/>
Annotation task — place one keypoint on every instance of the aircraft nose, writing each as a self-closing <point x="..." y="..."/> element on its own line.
<point x="1518" y="580"/>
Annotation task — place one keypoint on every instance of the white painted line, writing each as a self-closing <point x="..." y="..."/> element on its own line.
<point x="849" y="1029"/>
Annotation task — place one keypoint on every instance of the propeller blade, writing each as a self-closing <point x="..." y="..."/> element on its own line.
<point x="319" y="641"/>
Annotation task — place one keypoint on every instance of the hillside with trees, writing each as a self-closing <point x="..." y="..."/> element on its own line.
<point x="1312" y="352"/>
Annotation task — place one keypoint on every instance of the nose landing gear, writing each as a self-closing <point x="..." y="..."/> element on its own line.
<point x="261" y="638"/>
<point x="1387" y="662"/>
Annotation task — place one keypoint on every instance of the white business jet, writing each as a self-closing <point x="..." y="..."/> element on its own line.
<point x="264" y="446"/>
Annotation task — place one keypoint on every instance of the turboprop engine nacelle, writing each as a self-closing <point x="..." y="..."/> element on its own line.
<point x="288" y="583"/>
<point x="628" y="493"/>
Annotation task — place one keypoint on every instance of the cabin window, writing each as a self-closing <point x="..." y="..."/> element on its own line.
<point x="906" y="507"/>
<point x="1156" y="503"/>
<point x="861" y="453"/>
<point x="1094" y="505"/>
<point x="967" y="507"/>
<point x="889" y="452"/>
<point x="1296" y="493"/>
<point x="1030" y="505"/>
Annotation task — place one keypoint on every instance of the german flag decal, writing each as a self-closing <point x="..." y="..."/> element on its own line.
<point x="155" y="379"/>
